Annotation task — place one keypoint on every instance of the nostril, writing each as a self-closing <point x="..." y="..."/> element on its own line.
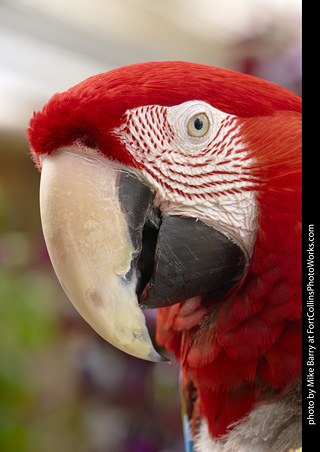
<point x="89" y="141"/>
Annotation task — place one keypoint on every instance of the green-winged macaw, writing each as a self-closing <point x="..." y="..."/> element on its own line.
<point x="177" y="186"/>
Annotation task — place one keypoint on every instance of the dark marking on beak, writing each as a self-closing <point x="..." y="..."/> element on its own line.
<point x="191" y="259"/>
<point x="175" y="257"/>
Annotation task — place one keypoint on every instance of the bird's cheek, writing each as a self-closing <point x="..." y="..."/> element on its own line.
<point x="90" y="246"/>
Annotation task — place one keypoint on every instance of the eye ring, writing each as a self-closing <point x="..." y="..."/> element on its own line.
<point x="198" y="125"/>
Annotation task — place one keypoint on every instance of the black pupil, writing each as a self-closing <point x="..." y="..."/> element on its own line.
<point x="198" y="123"/>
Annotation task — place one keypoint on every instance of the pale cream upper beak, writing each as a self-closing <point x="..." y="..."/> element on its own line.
<point x="89" y="244"/>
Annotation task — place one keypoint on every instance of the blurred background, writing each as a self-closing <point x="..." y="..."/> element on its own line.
<point x="61" y="387"/>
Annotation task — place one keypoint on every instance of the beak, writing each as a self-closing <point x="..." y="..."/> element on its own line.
<point x="114" y="253"/>
<point x="90" y="246"/>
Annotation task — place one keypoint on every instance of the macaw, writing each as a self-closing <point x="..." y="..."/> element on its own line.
<point x="177" y="186"/>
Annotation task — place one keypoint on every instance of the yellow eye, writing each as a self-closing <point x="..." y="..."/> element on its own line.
<point x="198" y="125"/>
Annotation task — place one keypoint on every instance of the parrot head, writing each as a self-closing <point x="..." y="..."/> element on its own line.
<point x="162" y="186"/>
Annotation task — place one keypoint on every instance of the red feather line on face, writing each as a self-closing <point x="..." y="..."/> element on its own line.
<point x="151" y="141"/>
<point x="152" y="145"/>
<point x="248" y="344"/>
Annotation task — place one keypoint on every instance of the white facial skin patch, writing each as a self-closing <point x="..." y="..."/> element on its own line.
<point x="195" y="157"/>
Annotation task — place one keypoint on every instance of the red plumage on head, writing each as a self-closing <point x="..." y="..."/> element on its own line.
<point x="92" y="108"/>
